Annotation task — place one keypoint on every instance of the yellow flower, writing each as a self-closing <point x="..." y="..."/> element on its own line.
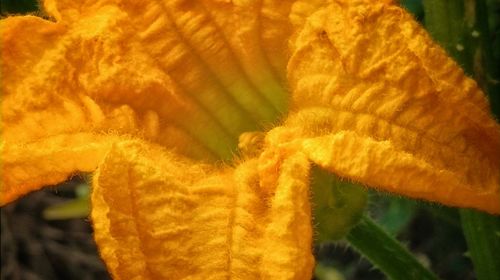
<point x="157" y="96"/>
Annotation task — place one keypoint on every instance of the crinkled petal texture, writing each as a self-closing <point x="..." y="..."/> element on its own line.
<point x="150" y="92"/>
<point x="377" y="101"/>
<point x="188" y="75"/>
<point x="160" y="216"/>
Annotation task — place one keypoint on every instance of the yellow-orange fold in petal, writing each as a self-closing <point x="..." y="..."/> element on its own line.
<point x="49" y="161"/>
<point x="157" y="216"/>
<point x="147" y="69"/>
<point x="379" y="102"/>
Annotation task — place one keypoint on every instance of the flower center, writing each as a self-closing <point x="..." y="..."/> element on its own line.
<point x="235" y="125"/>
<point x="250" y="143"/>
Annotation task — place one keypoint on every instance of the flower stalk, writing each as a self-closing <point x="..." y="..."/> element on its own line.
<point x="385" y="252"/>
<point x="482" y="232"/>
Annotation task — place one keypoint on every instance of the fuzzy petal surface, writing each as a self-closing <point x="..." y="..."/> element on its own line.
<point x="160" y="216"/>
<point x="382" y="104"/>
<point x="147" y="69"/>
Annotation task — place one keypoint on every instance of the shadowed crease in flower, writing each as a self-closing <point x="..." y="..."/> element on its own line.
<point x="201" y="120"/>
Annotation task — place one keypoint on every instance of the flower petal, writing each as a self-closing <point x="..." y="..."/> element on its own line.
<point x="82" y="70"/>
<point x="379" y="102"/>
<point x="219" y="54"/>
<point x="161" y="216"/>
<point x="67" y="10"/>
<point x="51" y="127"/>
<point x="151" y="70"/>
<point x="49" y="161"/>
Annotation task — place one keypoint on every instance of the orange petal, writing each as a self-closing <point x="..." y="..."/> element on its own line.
<point x="78" y="78"/>
<point x="150" y="70"/>
<point x="160" y="216"/>
<point x="155" y="67"/>
<point x="248" y="37"/>
<point x="219" y="55"/>
<point x="67" y="10"/>
<point x="379" y="102"/>
<point x="30" y="166"/>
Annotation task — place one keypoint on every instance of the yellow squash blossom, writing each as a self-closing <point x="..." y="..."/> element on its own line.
<point x="163" y="100"/>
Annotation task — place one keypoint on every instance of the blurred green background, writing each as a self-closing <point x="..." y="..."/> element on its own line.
<point x="18" y="6"/>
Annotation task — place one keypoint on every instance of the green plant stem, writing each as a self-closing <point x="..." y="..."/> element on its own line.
<point x="385" y="252"/>
<point x="482" y="232"/>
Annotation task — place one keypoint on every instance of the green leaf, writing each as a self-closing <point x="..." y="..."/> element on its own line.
<point x="76" y="208"/>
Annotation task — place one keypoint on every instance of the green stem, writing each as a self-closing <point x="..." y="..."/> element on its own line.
<point x="385" y="252"/>
<point x="482" y="232"/>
